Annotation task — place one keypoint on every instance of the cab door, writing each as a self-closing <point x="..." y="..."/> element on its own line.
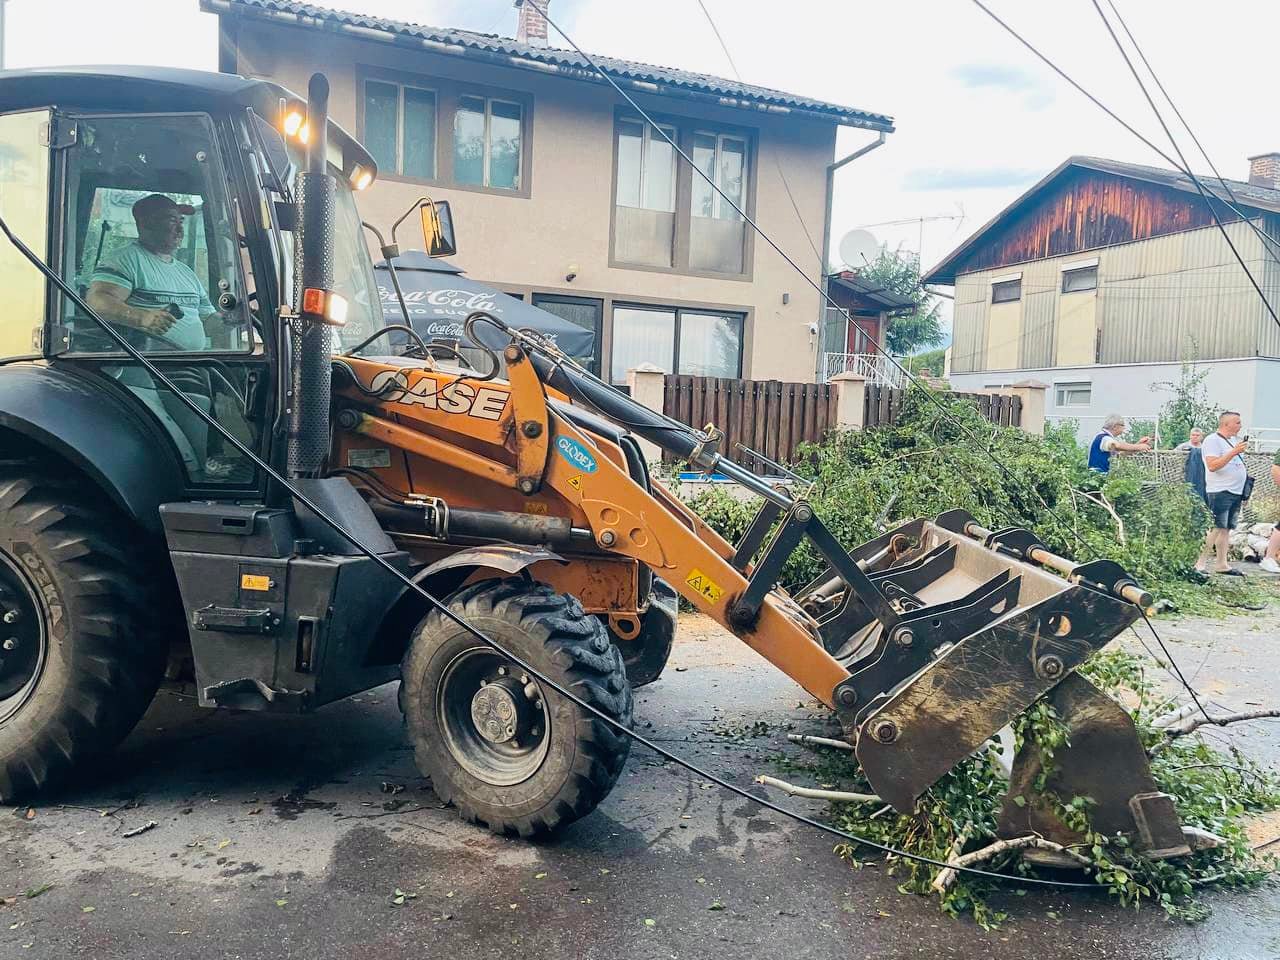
<point x="24" y="200"/>
<point x="149" y="227"/>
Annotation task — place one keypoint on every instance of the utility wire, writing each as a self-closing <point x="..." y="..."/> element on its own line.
<point x="1186" y="168"/>
<point x="790" y="261"/>
<point x="337" y="527"/>
<point x="1178" y="113"/>
<point x="1269" y="241"/>
<point x="786" y="184"/>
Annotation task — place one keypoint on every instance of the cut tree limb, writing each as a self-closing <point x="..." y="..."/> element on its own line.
<point x="838" y="796"/>
<point x="1181" y="729"/>
<point x="1003" y="846"/>
<point x="808" y="741"/>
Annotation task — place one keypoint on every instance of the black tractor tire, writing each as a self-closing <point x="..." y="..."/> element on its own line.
<point x="645" y="655"/>
<point x="455" y="687"/>
<point x="69" y="587"/>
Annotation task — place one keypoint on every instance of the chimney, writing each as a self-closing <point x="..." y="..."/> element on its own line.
<point x="531" y="28"/>
<point x="1264" y="170"/>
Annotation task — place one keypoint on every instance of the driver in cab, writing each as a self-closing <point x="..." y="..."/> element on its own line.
<point x="146" y="288"/>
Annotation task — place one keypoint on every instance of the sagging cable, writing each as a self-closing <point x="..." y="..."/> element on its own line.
<point x="334" y="525"/>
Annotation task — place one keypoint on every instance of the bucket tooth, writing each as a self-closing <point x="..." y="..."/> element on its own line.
<point x="1105" y="762"/>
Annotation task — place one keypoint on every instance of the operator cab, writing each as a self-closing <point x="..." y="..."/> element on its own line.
<point x="90" y="150"/>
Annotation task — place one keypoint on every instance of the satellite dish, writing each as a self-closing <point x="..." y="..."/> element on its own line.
<point x="859" y="248"/>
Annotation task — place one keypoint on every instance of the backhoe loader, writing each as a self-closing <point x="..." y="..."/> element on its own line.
<point x="137" y="542"/>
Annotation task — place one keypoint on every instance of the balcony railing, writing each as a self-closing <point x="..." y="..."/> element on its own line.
<point x="875" y="367"/>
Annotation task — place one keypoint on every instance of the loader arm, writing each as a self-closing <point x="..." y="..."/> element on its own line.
<point x="926" y="640"/>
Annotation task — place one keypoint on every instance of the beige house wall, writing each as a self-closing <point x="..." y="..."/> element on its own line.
<point x="528" y="244"/>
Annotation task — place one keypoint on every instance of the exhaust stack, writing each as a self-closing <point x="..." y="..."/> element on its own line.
<point x="309" y="336"/>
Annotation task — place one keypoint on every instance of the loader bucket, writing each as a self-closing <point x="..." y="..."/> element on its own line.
<point x="950" y="633"/>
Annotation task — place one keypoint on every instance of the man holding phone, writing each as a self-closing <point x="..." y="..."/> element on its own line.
<point x="1224" y="482"/>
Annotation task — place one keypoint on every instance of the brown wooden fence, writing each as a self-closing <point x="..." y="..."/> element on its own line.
<point x="884" y="406"/>
<point x="768" y="416"/>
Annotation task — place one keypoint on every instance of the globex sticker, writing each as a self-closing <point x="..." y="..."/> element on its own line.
<point x="576" y="454"/>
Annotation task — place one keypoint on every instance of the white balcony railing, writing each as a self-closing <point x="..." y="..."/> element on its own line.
<point x="875" y="367"/>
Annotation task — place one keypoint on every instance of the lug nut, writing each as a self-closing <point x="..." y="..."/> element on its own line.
<point x="885" y="731"/>
<point x="535" y="732"/>
<point x="530" y="689"/>
<point x="11" y="644"/>
<point x="11" y="616"/>
<point x="905" y="638"/>
<point x="1050" y="667"/>
<point x="502" y="671"/>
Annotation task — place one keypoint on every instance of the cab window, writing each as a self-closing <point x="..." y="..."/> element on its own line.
<point x="24" y="199"/>
<point x="151" y="238"/>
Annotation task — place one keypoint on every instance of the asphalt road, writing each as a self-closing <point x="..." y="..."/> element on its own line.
<point x="277" y="837"/>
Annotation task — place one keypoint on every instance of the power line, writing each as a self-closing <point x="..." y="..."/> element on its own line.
<point x="1178" y="113"/>
<point x="1269" y="241"/>
<point x="790" y="261"/>
<point x="786" y="184"/>
<point x="1186" y="168"/>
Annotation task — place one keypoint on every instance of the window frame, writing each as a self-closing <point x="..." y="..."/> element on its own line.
<point x="487" y="155"/>
<point x="686" y="128"/>
<point x="62" y="238"/>
<point x="50" y="309"/>
<point x="448" y="92"/>
<point x="401" y="86"/>
<point x="718" y="202"/>
<point x="1063" y="388"/>
<point x="677" y="312"/>
<point x="1010" y="282"/>
<point x="1075" y="270"/>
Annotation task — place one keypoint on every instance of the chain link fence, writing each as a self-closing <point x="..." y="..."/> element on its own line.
<point x="1167" y="466"/>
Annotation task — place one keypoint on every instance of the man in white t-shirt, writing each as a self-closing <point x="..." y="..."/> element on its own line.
<point x="1224" y="477"/>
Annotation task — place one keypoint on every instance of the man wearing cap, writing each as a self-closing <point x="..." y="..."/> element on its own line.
<point x="145" y="287"/>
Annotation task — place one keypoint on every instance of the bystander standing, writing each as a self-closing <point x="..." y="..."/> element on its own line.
<point x="1271" y="562"/>
<point x="1193" y="469"/>
<point x="1108" y="442"/>
<point x="1224" y="481"/>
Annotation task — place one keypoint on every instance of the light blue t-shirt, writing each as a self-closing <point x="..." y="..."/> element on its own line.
<point x="154" y="282"/>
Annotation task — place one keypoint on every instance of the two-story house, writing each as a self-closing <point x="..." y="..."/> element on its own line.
<point x="1104" y="277"/>
<point x="562" y="196"/>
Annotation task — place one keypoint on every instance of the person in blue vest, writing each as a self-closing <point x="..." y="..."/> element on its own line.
<point x="1108" y="442"/>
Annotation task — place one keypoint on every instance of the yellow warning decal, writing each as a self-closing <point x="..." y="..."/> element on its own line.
<point x="250" y="581"/>
<point x="704" y="585"/>
<point x="576" y="483"/>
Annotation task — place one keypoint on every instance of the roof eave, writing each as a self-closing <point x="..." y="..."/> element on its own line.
<point x="840" y="118"/>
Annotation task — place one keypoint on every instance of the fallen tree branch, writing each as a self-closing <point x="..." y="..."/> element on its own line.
<point x="947" y="875"/>
<point x="1004" y="846"/>
<point x="808" y="741"/>
<point x="811" y="793"/>
<point x="1192" y="723"/>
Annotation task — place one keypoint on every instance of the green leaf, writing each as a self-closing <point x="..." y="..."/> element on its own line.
<point x="649" y="922"/>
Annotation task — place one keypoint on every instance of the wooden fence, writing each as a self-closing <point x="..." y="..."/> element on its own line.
<point x="768" y="416"/>
<point x="884" y="406"/>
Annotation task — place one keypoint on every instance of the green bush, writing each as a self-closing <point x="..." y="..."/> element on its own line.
<point x="925" y="464"/>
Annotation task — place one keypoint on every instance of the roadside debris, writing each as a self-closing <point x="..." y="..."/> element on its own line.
<point x="811" y="793"/>
<point x="138" y="831"/>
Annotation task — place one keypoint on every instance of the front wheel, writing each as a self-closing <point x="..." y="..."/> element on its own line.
<point x="506" y="750"/>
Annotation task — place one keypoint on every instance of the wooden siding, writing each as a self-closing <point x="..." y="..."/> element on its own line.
<point x="1084" y="210"/>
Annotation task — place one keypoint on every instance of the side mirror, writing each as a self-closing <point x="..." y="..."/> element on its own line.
<point x="437" y="228"/>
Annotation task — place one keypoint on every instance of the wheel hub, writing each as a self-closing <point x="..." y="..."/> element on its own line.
<point x="493" y="716"/>
<point x="496" y="712"/>
<point x="22" y="638"/>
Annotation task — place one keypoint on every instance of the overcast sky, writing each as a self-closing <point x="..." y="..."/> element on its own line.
<point x="979" y="119"/>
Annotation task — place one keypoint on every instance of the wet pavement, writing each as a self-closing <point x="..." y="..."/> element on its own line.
<point x="290" y="837"/>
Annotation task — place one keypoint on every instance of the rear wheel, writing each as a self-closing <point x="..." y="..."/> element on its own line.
<point x="505" y="750"/>
<point x="77" y="666"/>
